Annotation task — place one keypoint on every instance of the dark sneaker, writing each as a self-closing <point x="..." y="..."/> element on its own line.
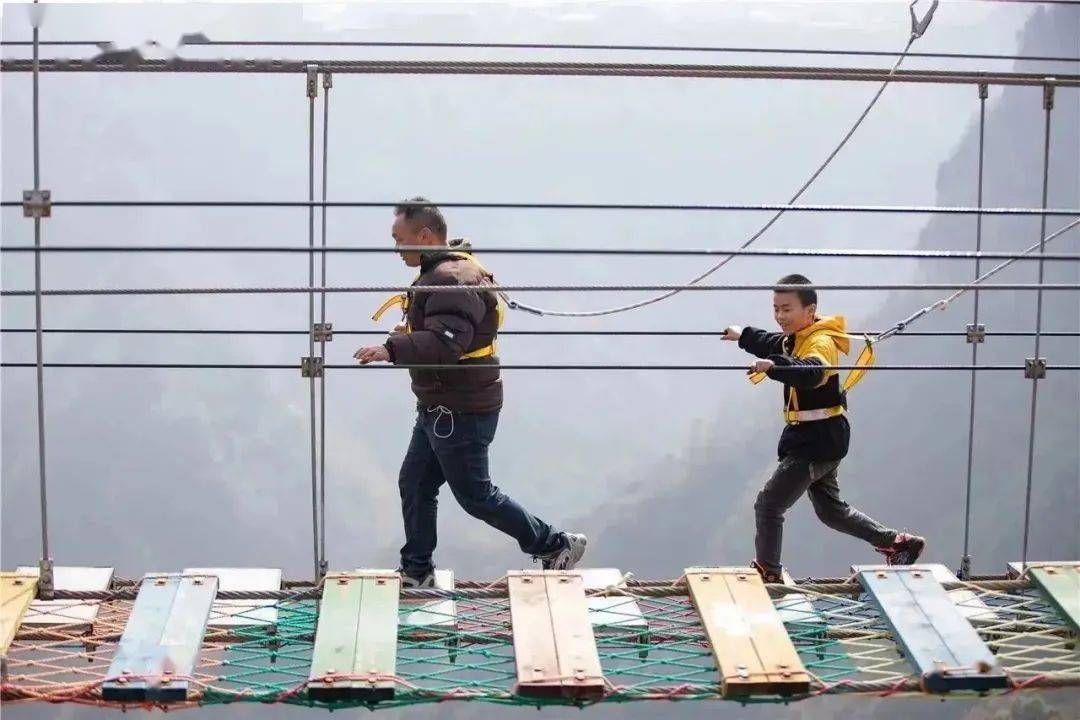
<point x="569" y="553"/>
<point x="905" y="549"/>
<point x="769" y="578"/>
<point x="427" y="580"/>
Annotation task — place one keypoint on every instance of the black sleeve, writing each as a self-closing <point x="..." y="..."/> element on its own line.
<point x="450" y="320"/>
<point x="790" y="371"/>
<point x="761" y="343"/>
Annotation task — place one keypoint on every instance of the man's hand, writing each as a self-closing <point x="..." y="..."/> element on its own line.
<point x="761" y="366"/>
<point x="399" y="329"/>
<point x="375" y="353"/>
<point x="732" y="332"/>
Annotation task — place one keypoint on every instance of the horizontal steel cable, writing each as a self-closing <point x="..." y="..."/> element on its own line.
<point x="390" y="249"/>
<point x="131" y="61"/>
<point x="529" y="288"/>
<point x="723" y="207"/>
<point x="467" y="366"/>
<point x="735" y="50"/>
<point x="502" y="333"/>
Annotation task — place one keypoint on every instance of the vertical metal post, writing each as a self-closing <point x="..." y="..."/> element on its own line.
<point x="965" y="560"/>
<point x="312" y="93"/>
<point x="1048" y="106"/>
<point x="328" y="83"/>
<point x="45" y="566"/>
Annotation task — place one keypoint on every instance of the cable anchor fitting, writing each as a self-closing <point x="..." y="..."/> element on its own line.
<point x="976" y="333"/>
<point x="1035" y="368"/>
<point x="324" y="332"/>
<point x="46" y="584"/>
<point x="312" y="80"/>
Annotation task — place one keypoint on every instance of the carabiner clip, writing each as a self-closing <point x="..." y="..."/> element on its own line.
<point x="918" y="27"/>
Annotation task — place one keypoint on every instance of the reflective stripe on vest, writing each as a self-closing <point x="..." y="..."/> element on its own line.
<point x="793" y="417"/>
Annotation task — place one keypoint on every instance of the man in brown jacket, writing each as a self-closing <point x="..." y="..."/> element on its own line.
<point x="457" y="407"/>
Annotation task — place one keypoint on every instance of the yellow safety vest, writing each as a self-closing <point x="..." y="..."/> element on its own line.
<point x="792" y="414"/>
<point x="403" y="301"/>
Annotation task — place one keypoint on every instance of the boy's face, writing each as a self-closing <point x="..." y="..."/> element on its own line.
<point x="791" y="315"/>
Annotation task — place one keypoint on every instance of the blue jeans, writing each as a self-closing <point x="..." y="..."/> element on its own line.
<point x="452" y="448"/>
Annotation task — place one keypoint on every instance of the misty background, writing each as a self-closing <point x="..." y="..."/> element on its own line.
<point x="156" y="470"/>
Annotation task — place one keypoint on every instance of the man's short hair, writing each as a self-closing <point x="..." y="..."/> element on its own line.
<point x="424" y="212"/>
<point x="806" y="297"/>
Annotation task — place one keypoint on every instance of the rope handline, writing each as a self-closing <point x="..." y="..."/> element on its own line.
<point x="917" y="30"/>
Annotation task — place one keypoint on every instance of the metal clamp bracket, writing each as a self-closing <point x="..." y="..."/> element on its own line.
<point x="324" y="332"/>
<point x="37" y="203"/>
<point x="1035" y="368"/>
<point x="311" y="367"/>
<point x="984" y="91"/>
<point x="327" y="80"/>
<point x="1048" y="94"/>
<point x="312" y="80"/>
<point x="46" y="585"/>
<point x="976" y="333"/>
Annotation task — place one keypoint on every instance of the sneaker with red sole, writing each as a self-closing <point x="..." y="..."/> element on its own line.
<point x="905" y="549"/>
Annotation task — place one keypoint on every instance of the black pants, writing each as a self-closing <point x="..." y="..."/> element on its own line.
<point x="793" y="477"/>
<point x="452" y="448"/>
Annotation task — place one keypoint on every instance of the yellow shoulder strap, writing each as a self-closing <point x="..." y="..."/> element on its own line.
<point x="500" y="309"/>
<point x="393" y="301"/>
<point x="866" y="359"/>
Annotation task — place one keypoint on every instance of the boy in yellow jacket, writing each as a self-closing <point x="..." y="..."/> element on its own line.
<point x="817" y="432"/>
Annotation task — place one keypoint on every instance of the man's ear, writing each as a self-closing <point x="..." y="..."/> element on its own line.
<point x="812" y="307"/>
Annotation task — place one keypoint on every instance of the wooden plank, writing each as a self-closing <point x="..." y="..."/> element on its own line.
<point x="335" y="637"/>
<point x="967" y="602"/>
<point x="435" y="615"/>
<point x="1060" y="585"/>
<point x="243" y="613"/>
<point x="937" y="639"/>
<point x="535" y="658"/>
<point x="75" y="615"/>
<point x="752" y="650"/>
<point x="161" y="642"/>
<point x="16" y="592"/>
<point x="182" y="637"/>
<point x="1015" y="568"/>
<point x="376" y="638"/>
<point x="579" y="662"/>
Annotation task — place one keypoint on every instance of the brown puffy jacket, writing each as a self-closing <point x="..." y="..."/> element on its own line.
<point x="444" y="326"/>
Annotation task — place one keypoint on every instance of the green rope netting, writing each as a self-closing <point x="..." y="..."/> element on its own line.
<point x="461" y="648"/>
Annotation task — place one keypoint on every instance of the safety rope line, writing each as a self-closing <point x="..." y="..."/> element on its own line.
<point x="944" y="302"/>
<point x="916" y="32"/>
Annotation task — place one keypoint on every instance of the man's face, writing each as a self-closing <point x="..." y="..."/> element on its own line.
<point x="791" y="315"/>
<point x="408" y="233"/>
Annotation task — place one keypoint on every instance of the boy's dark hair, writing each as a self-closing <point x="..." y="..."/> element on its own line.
<point x="424" y="212"/>
<point x="806" y="297"/>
